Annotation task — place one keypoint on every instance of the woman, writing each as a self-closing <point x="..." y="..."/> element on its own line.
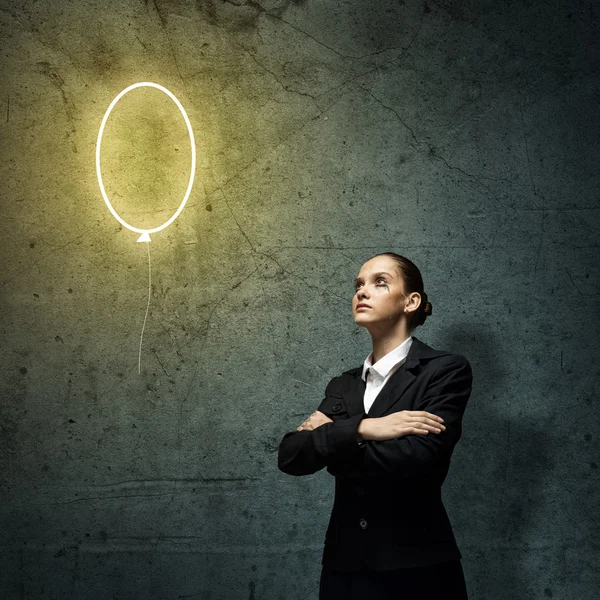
<point x="386" y="431"/>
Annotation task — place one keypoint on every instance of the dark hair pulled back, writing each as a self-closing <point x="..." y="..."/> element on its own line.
<point x="413" y="282"/>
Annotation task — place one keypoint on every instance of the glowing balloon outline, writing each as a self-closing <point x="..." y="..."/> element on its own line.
<point x="145" y="237"/>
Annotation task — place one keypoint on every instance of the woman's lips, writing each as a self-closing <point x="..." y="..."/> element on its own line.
<point x="362" y="308"/>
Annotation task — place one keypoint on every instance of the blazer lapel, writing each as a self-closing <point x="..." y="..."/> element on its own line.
<point x="391" y="392"/>
<point x="396" y="385"/>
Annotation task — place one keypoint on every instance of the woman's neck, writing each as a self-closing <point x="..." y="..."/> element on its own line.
<point x="383" y="344"/>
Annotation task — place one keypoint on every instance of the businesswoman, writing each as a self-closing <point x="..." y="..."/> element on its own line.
<point x="386" y="431"/>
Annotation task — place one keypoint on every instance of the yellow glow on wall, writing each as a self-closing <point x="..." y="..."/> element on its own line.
<point x="145" y="237"/>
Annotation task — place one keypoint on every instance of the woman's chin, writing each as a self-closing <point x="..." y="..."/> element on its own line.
<point x="361" y="320"/>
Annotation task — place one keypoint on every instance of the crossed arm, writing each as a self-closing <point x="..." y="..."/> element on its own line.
<point x="404" y="453"/>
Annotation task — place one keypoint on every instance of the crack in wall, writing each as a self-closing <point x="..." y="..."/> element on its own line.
<point x="430" y="150"/>
<point x="195" y="372"/>
<point x="535" y="190"/>
<point x="163" y="24"/>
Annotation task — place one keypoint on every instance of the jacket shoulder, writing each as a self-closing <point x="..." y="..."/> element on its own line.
<point x="353" y="371"/>
<point x="456" y="359"/>
<point x="338" y="384"/>
<point x="449" y="362"/>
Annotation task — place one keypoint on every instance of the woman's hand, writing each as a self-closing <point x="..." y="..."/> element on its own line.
<point x="399" y="424"/>
<point x="315" y="420"/>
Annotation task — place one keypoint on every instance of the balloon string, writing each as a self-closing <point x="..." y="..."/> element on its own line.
<point x="147" y="308"/>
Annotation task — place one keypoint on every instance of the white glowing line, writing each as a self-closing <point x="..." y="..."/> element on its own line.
<point x="192" y="143"/>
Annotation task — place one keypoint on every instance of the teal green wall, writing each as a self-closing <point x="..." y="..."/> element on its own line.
<point x="461" y="135"/>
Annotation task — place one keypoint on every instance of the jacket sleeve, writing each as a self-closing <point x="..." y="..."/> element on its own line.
<point x="306" y="452"/>
<point x="414" y="454"/>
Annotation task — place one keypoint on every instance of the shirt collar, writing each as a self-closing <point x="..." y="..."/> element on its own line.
<point x="384" y="365"/>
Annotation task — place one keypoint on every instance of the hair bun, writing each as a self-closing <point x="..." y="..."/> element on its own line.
<point x="427" y="308"/>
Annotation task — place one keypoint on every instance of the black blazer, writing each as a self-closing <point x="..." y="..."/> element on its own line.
<point x="387" y="511"/>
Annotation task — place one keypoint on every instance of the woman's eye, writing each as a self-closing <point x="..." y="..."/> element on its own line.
<point x="378" y="281"/>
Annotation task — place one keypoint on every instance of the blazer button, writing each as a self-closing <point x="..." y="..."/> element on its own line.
<point x="337" y="407"/>
<point x="363" y="523"/>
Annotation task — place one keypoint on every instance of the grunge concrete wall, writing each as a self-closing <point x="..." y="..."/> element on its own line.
<point x="463" y="135"/>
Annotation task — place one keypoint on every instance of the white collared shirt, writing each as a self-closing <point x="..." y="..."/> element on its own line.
<point x="382" y="370"/>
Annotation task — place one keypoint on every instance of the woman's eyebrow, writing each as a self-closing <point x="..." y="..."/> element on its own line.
<point x="374" y="275"/>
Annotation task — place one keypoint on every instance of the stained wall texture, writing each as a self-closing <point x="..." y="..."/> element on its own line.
<point x="463" y="135"/>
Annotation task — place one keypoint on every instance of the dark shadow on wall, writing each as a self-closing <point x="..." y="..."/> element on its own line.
<point x="496" y="512"/>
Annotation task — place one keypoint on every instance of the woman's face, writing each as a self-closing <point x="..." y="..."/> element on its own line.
<point x="381" y="288"/>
